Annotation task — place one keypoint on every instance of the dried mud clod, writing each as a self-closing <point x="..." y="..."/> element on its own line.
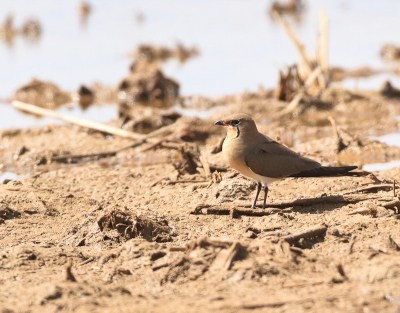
<point x="43" y="94"/>
<point x="146" y="83"/>
<point x="150" y="53"/>
<point x="30" y="30"/>
<point x="143" y="120"/>
<point x="390" y="53"/>
<point x="7" y="213"/>
<point x="389" y="91"/>
<point x="84" y="96"/>
<point x="131" y="225"/>
<point x="294" y="8"/>
<point x="84" y="8"/>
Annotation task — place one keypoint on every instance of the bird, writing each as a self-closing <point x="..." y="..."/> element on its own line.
<point x="265" y="160"/>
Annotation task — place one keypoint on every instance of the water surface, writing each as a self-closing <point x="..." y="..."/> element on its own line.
<point x="240" y="46"/>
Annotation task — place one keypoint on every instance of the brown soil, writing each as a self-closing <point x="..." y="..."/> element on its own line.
<point x="149" y="229"/>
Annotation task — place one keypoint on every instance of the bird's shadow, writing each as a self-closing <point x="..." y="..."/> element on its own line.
<point x="313" y="205"/>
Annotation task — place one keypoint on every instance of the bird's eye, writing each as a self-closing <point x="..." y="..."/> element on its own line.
<point x="235" y="122"/>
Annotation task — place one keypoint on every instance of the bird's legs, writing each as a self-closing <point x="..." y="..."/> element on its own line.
<point x="265" y="195"/>
<point x="258" y="192"/>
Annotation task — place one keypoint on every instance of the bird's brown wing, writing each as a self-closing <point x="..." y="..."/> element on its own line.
<point x="271" y="159"/>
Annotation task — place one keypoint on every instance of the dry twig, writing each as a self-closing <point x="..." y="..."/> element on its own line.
<point x="273" y="207"/>
<point x="63" y="158"/>
<point x="368" y="188"/>
<point x="359" y="211"/>
<point x="393" y="205"/>
<point x="319" y="231"/>
<point x="75" y="120"/>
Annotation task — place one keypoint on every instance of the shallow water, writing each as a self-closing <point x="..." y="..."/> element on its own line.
<point x="7" y="175"/>
<point x="390" y="139"/>
<point x="12" y="118"/>
<point x="194" y="112"/>
<point x="380" y="166"/>
<point x="240" y="46"/>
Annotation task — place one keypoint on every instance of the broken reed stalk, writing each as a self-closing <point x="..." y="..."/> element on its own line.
<point x="305" y="67"/>
<point x="84" y="123"/>
<point x="322" y="46"/>
<point x="306" y="64"/>
<point x="104" y="154"/>
<point x="75" y="120"/>
<point x="334" y="128"/>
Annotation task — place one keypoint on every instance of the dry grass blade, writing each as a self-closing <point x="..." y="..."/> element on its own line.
<point x="305" y="61"/>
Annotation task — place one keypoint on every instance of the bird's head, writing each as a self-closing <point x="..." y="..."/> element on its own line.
<point x="238" y="124"/>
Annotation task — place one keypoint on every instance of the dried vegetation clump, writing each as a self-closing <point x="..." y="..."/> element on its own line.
<point x="130" y="225"/>
<point x="146" y="83"/>
<point x="149" y="53"/>
<point x="30" y="30"/>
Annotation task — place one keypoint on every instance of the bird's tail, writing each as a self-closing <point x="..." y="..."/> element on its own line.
<point x="326" y="171"/>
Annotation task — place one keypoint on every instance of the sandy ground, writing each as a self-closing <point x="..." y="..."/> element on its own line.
<point x="149" y="229"/>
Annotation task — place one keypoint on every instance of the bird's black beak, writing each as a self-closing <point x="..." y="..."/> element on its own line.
<point x="221" y="123"/>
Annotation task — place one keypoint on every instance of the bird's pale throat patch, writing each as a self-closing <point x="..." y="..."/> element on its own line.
<point x="233" y="132"/>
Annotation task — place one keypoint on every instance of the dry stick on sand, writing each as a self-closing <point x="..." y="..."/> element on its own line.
<point x="319" y="231"/>
<point x="369" y="188"/>
<point x="93" y="125"/>
<point x="272" y="207"/>
<point x="77" y="121"/>
<point x="63" y="158"/>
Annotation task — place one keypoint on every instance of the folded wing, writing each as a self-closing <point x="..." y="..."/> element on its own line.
<point x="271" y="159"/>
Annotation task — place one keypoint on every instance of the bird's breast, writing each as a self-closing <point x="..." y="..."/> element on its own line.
<point x="235" y="151"/>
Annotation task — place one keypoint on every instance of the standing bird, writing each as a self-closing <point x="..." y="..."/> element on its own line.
<point x="265" y="160"/>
